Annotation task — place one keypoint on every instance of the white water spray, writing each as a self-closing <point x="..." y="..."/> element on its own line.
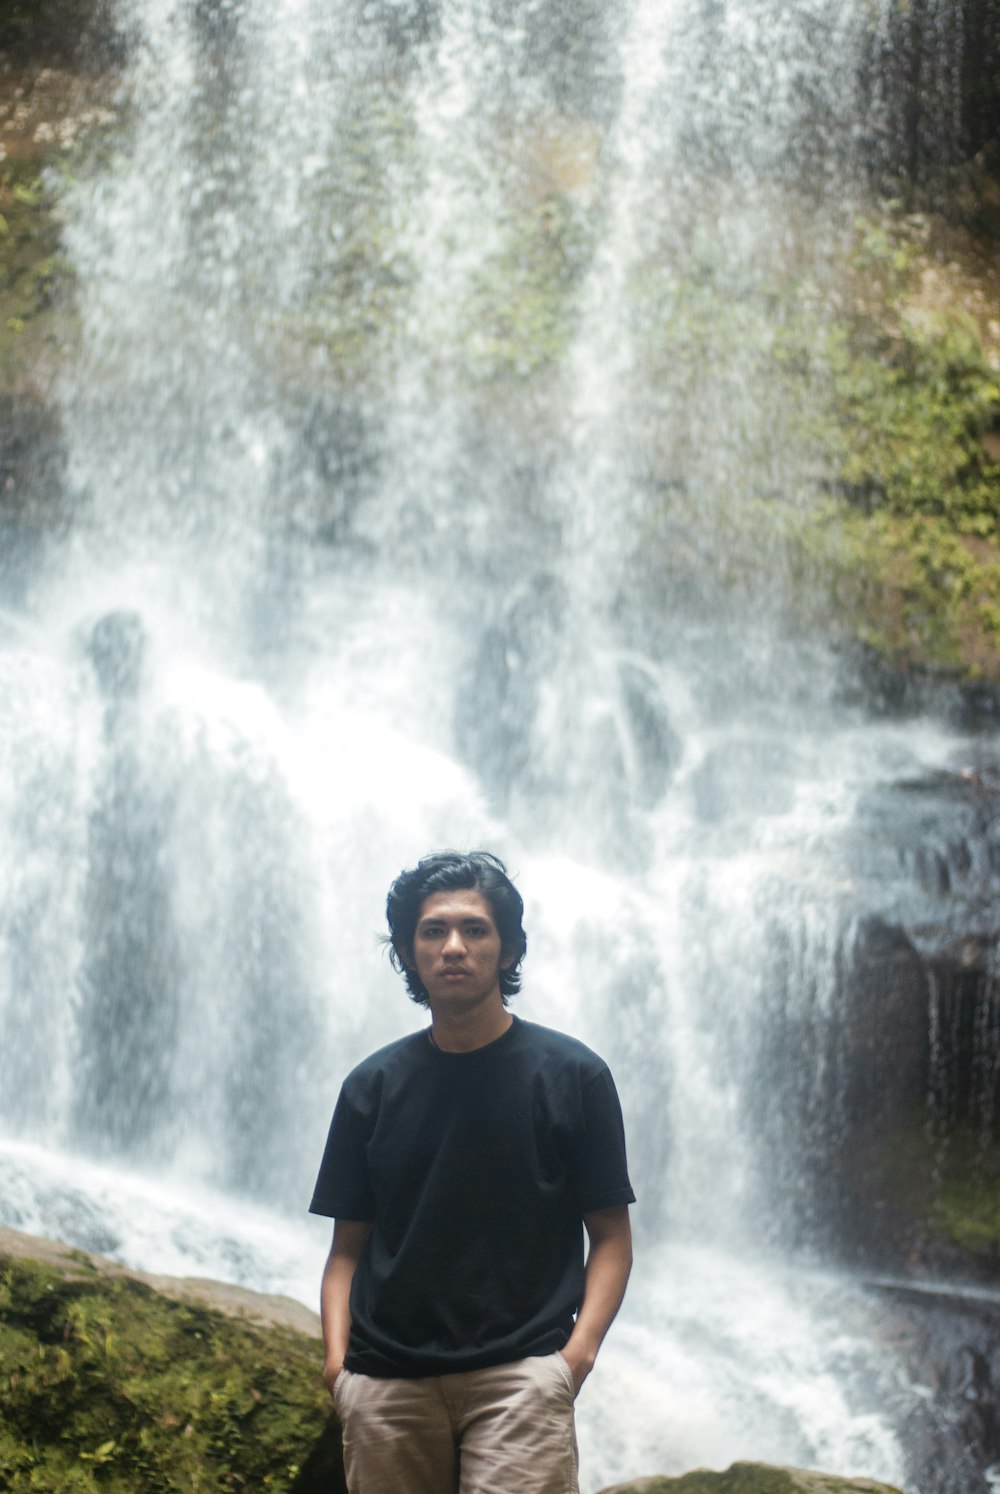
<point x="350" y="579"/>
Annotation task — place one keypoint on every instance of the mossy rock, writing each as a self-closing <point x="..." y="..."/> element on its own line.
<point x="108" y="1384"/>
<point x="754" y="1478"/>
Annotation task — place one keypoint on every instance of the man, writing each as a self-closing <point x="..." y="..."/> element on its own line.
<point x="462" y="1166"/>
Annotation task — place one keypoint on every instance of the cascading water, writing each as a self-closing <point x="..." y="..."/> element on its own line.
<point x="361" y="444"/>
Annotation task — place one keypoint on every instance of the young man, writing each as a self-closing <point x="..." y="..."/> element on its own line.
<point x="463" y="1165"/>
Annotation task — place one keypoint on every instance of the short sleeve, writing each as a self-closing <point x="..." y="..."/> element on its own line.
<point x="600" y="1176"/>
<point x="343" y="1188"/>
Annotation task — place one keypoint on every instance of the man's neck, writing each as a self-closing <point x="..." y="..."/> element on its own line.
<point x="463" y="1032"/>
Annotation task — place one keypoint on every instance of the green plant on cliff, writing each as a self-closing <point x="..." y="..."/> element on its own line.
<point x="107" y="1385"/>
<point x="521" y="311"/>
<point x="910" y="534"/>
<point x="353" y="302"/>
<point x="839" y="441"/>
<point x="32" y="272"/>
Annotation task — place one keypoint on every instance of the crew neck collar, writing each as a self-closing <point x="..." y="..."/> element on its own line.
<point x="470" y="1053"/>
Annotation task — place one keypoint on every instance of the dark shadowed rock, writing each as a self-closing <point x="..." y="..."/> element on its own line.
<point x="949" y="1342"/>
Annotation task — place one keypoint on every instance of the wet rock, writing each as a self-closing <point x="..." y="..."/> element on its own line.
<point x="117" y="648"/>
<point x="744" y="778"/>
<point x="69" y="33"/>
<point x="656" y="747"/>
<point x="884" y="689"/>
<point x="32" y="478"/>
<point x="496" y="707"/>
<point x="910" y="1176"/>
<point x="949" y="1343"/>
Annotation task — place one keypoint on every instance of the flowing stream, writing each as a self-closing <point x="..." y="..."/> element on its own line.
<point x="363" y="445"/>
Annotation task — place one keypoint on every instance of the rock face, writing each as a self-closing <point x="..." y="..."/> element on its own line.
<point x="949" y="1342"/>
<point x="754" y="1478"/>
<point x="918" y="1156"/>
<point x="896" y="1135"/>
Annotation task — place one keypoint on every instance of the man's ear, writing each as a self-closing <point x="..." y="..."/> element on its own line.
<point x="406" y="955"/>
<point x="506" y="960"/>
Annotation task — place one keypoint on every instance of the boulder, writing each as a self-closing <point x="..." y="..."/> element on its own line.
<point x="115" y="1384"/>
<point x="754" y="1478"/>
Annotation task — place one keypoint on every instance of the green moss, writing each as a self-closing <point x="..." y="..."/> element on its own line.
<point x="967" y="1213"/>
<point x="108" y="1385"/>
<point x="36" y="319"/>
<point x="513" y="316"/>
<point x="966" y="1205"/>
<point x="913" y="405"/>
<point x="521" y="312"/>
<point x="936" y="1182"/>
<point x="353" y="303"/>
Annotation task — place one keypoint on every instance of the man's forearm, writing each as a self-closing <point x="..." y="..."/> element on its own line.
<point x="609" y="1262"/>
<point x="349" y="1239"/>
<point x="335" y="1308"/>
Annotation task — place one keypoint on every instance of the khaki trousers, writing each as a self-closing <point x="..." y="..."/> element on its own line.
<point x="503" y="1430"/>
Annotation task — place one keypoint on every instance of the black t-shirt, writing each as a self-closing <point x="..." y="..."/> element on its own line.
<point x="476" y="1169"/>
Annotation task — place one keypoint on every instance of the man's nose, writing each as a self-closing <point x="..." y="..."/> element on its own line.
<point x="454" y="943"/>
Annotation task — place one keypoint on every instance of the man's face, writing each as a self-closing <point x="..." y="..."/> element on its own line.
<point x="456" y="950"/>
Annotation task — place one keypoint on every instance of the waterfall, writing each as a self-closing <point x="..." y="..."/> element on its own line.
<point x="371" y="429"/>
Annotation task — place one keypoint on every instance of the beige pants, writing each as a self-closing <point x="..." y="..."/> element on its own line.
<point x="504" y="1430"/>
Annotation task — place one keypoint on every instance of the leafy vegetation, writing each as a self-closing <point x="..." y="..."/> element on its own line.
<point x="32" y="271"/>
<point x="910" y="533"/>
<point x="851" y="446"/>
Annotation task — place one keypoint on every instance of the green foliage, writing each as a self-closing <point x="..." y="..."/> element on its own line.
<point x="354" y="302"/>
<point x="32" y="272"/>
<point x="884" y="259"/>
<point x="831" y="443"/>
<point x="912" y="408"/>
<point x="107" y="1385"/>
<point x="914" y="562"/>
<point x="520" y="313"/>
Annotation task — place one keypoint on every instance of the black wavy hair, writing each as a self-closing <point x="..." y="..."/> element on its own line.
<point x="441" y="872"/>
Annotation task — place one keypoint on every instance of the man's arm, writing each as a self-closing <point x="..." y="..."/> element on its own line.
<point x="349" y="1239"/>
<point x="609" y="1261"/>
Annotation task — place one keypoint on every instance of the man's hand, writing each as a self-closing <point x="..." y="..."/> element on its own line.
<point x="580" y="1366"/>
<point x="609" y="1262"/>
<point x="331" y="1370"/>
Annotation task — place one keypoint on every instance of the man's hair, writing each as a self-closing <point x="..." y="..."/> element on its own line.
<point x="441" y="872"/>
